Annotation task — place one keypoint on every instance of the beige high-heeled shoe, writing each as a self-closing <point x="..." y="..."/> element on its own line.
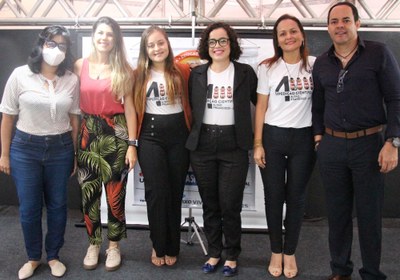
<point x="290" y="266"/>
<point x="275" y="265"/>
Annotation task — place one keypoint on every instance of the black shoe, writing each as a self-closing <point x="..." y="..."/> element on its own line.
<point x="230" y="271"/>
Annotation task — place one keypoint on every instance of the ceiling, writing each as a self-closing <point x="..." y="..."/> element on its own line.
<point x="189" y="13"/>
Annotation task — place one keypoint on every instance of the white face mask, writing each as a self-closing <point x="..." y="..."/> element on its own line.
<point x="54" y="56"/>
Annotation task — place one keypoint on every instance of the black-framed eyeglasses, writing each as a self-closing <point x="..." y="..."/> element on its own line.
<point x="212" y="43"/>
<point x="61" y="46"/>
<point x="340" y="82"/>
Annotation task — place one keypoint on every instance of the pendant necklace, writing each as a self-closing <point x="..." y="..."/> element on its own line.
<point x="102" y="67"/>
<point x="292" y="81"/>
<point x="343" y="58"/>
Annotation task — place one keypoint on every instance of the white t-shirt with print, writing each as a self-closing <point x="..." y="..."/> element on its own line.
<point x="219" y="105"/>
<point x="289" y="87"/>
<point x="157" y="101"/>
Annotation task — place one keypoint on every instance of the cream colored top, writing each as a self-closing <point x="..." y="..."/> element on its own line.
<point x="42" y="106"/>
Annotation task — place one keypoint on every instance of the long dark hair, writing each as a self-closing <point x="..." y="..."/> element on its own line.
<point x="35" y="59"/>
<point x="203" y="48"/>
<point x="278" y="53"/>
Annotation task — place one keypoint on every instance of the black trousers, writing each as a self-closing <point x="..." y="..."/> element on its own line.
<point x="164" y="161"/>
<point x="290" y="160"/>
<point x="221" y="168"/>
<point x="350" y="173"/>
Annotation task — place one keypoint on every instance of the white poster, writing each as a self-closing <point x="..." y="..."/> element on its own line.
<point x="191" y="197"/>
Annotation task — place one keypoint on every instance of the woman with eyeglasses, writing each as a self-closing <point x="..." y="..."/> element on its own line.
<point x="107" y="139"/>
<point x="283" y="139"/>
<point x="220" y="94"/>
<point x="43" y="97"/>
<point x="164" y="119"/>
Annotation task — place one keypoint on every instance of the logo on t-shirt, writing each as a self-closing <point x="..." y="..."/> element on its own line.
<point x="157" y="93"/>
<point x="295" y="89"/>
<point x="219" y="97"/>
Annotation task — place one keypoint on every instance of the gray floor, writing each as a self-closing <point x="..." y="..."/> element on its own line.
<point x="312" y="253"/>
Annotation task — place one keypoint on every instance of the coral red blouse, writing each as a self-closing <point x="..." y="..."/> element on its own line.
<point x="95" y="95"/>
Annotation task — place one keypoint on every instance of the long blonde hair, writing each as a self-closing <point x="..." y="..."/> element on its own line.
<point x="121" y="71"/>
<point x="173" y="76"/>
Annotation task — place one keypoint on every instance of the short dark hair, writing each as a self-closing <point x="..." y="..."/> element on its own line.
<point x="203" y="48"/>
<point x="35" y="58"/>
<point x="353" y="8"/>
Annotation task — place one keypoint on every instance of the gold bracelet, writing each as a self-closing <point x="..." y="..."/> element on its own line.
<point x="257" y="141"/>
<point x="257" y="145"/>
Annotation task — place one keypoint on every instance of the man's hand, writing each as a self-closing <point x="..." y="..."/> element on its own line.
<point x="388" y="158"/>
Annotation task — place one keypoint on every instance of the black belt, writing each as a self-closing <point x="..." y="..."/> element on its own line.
<point x="222" y="129"/>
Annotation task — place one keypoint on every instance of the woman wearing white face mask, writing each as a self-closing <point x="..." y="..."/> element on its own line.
<point x="40" y="156"/>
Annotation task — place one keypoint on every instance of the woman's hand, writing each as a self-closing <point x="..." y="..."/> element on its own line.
<point x="131" y="157"/>
<point x="75" y="169"/>
<point x="259" y="156"/>
<point x="5" y="165"/>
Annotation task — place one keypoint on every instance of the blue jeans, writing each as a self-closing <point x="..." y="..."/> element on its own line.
<point x="41" y="167"/>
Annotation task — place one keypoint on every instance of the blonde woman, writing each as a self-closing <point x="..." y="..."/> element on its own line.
<point x="107" y="141"/>
<point x="164" y="121"/>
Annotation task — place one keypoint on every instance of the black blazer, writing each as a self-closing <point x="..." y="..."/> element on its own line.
<point x="244" y="91"/>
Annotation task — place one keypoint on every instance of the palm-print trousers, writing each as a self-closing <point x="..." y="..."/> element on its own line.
<point x="101" y="160"/>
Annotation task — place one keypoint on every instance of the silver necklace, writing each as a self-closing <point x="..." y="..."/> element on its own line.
<point x="102" y="67"/>
<point x="292" y="81"/>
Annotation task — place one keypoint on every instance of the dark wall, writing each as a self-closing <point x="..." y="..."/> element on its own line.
<point x="318" y="42"/>
<point x="15" y="46"/>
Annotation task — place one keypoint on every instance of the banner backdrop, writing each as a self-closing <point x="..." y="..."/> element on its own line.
<point x="191" y="196"/>
<point x="253" y="216"/>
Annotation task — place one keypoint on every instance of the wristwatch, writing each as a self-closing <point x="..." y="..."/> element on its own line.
<point x="395" y="141"/>
<point x="133" y="142"/>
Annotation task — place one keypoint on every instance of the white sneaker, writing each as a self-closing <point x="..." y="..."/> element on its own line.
<point x="92" y="257"/>
<point x="113" y="261"/>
